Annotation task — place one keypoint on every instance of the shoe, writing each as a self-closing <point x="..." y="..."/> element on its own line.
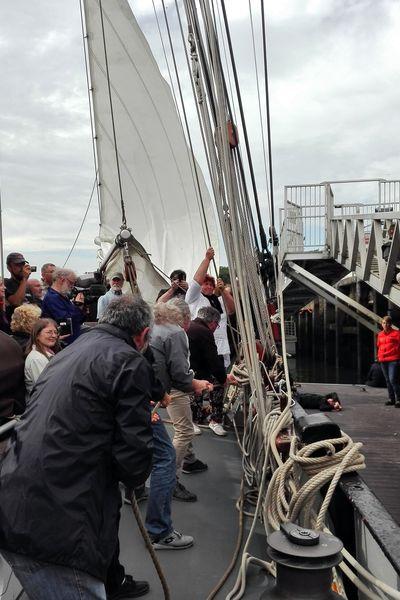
<point x="197" y="430"/>
<point x="397" y="404"/>
<point x="174" y="541"/>
<point x="182" y="494"/>
<point x="389" y="403"/>
<point x="129" y="588"/>
<point x="195" y="467"/>
<point x="217" y="428"/>
<point x="141" y="493"/>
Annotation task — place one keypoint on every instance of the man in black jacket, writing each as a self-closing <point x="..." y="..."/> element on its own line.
<point x="208" y="364"/>
<point x="87" y="427"/>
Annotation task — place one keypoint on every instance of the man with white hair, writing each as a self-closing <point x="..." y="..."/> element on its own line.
<point x="58" y="306"/>
<point x="170" y="347"/>
<point x="115" y="291"/>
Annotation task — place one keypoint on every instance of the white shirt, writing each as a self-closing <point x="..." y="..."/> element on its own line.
<point x="105" y="300"/>
<point x="34" y="364"/>
<point x="196" y="300"/>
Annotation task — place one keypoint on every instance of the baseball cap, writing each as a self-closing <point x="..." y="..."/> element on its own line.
<point x="15" y="257"/>
<point x="117" y="275"/>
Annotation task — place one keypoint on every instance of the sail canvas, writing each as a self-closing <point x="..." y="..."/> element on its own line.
<point x="156" y="168"/>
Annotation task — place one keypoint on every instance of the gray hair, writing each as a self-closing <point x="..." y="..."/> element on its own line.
<point x="61" y="273"/>
<point x="183" y="308"/>
<point x="130" y="313"/>
<point x="209" y="314"/>
<point x="175" y="311"/>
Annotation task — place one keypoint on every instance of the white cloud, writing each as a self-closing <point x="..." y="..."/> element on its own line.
<point x="334" y="92"/>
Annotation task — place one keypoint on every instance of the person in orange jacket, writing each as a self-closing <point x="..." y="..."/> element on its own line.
<point x="388" y="343"/>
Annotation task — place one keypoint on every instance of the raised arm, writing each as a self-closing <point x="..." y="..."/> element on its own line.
<point x="203" y="267"/>
<point x="17" y="298"/>
<point x="227" y="297"/>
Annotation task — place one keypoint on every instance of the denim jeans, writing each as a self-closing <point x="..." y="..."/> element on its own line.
<point x="162" y="484"/>
<point x="43" y="580"/>
<point x="391" y="372"/>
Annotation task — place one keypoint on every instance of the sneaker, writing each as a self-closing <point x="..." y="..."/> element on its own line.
<point x="174" y="541"/>
<point x="389" y="403"/>
<point x="141" y="493"/>
<point x="197" y="430"/>
<point x="182" y="494"/>
<point x="129" y="588"/>
<point x="195" y="467"/>
<point x="217" y="428"/>
<point x="397" y="404"/>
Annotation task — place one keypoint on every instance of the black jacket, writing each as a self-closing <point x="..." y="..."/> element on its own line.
<point x="12" y="383"/>
<point x="87" y="426"/>
<point x="204" y="358"/>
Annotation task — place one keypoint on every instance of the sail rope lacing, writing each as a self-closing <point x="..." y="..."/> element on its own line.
<point x="123" y="214"/>
<point x="90" y="99"/>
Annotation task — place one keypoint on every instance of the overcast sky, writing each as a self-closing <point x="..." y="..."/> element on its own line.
<point x="334" y="93"/>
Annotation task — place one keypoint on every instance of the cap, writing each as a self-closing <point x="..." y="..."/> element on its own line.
<point x="117" y="276"/>
<point x="15" y="257"/>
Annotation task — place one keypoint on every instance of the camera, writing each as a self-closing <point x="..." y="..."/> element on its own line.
<point x="91" y="286"/>
<point x="65" y="327"/>
<point x="33" y="269"/>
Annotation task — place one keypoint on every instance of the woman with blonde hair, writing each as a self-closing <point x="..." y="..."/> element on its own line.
<point x="41" y="347"/>
<point x="23" y="319"/>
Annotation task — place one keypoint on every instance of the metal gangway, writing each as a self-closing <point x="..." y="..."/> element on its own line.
<point x="321" y="241"/>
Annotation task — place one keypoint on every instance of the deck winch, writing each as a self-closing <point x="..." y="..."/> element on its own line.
<point x="304" y="560"/>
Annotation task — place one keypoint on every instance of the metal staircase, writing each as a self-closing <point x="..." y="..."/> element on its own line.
<point x="322" y="241"/>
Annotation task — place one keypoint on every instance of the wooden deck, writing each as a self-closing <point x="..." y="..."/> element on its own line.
<point x="365" y="418"/>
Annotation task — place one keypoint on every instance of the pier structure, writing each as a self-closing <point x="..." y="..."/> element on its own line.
<point x="322" y="240"/>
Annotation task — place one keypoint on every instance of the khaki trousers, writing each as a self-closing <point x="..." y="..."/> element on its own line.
<point x="180" y="413"/>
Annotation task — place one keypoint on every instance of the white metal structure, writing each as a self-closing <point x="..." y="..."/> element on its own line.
<point x="352" y="234"/>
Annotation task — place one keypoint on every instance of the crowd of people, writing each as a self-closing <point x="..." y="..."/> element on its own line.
<point x="88" y="400"/>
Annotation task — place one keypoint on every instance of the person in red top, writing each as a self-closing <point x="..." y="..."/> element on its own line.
<point x="388" y="343"/>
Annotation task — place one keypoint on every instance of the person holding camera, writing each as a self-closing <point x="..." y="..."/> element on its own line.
<point x="58" y="306"/>
<point x="115" y="291"/>
<point x="177" y="289"/>
<point x="15" y="285"/>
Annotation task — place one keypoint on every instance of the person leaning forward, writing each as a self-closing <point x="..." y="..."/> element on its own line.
<point x="87" y="427"/>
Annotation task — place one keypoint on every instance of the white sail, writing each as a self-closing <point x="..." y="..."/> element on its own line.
<point x="156" y="169"/>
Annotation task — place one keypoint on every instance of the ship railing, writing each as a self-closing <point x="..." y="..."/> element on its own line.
<point x="309" y="209"/>
<point x="8" y="426"/>
<point x="306" y="218"/>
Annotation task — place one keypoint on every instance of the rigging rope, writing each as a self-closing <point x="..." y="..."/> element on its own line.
<point x="83" y="221"/>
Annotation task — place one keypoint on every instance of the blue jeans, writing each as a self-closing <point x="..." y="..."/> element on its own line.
<point x="391" y="371"/>
<point x="162" y="484"/>
<point x="44" y="580"/>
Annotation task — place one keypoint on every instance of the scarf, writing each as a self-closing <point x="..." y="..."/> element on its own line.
<point x="215" y="303"/>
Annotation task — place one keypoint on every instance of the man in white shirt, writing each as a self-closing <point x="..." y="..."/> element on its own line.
<point x="115" y="291"/>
